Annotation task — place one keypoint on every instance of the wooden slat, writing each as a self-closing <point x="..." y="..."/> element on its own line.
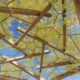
<point x="34" y="23"/>
<point x="77" y="4"/>
<point x="7" y="77"/>
<point x="73" y="34"/>
<point x="39" y="39"/>
<point x="55" y="64"/>
<point x="64" y="75"/>
<point x="43" y="41"/>
<point x="22" y="11"/>
<point x="23" y="68"/>
<point x="22" y="57"/>
<point x="64" y="24"/>
<point x="10" y="42"/>
<point x="42" y="57"/>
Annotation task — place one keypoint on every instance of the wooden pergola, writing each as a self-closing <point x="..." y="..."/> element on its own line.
<point x="39" y="15"/>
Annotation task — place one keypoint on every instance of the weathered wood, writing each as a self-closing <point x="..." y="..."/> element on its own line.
<point x="64" y="24"/>
<point x="41" y="61"/>
<point x="34" y="23"/>
<point x="23" y="57"/>
<point x="39" y="39"/>
<point x="22" y="67"/>
<point x="43" y="41"/>
<point x="7" y="77"/>
<point x="49" y="65"/>
<point x="77" y="5"/>
<point x="64" y="75"/>
<point x="11" y="42"/>
<point x="20" y="11"/>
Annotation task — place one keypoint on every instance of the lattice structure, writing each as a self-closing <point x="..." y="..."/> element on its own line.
<point x="38" y="41"/>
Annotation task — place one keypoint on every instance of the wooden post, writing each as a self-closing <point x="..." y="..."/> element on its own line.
<point x="64" y="24"/>
<point x="22" y="57"/>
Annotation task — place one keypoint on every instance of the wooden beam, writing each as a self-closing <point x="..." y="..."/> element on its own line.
<point x="43" y="41"/>
<point x="77" y="5"/>
<point x="41" y="62"/>
<point x="39" y="39"/>
<point x="52" y="64"/>
<point x="64" y="24"/>
<point x="7" y="77"/>
<point x="15" y="63"/>
<point x="11" y="42"/>
<point x="72" y="34"/>
<point x="21" y="11"/>
<point x="64" y="75"/>
<point x="11" y="1"/>
<point x="23" y="68"/>
<point x="34" y="22"/>
<point x="23" y="57"/>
